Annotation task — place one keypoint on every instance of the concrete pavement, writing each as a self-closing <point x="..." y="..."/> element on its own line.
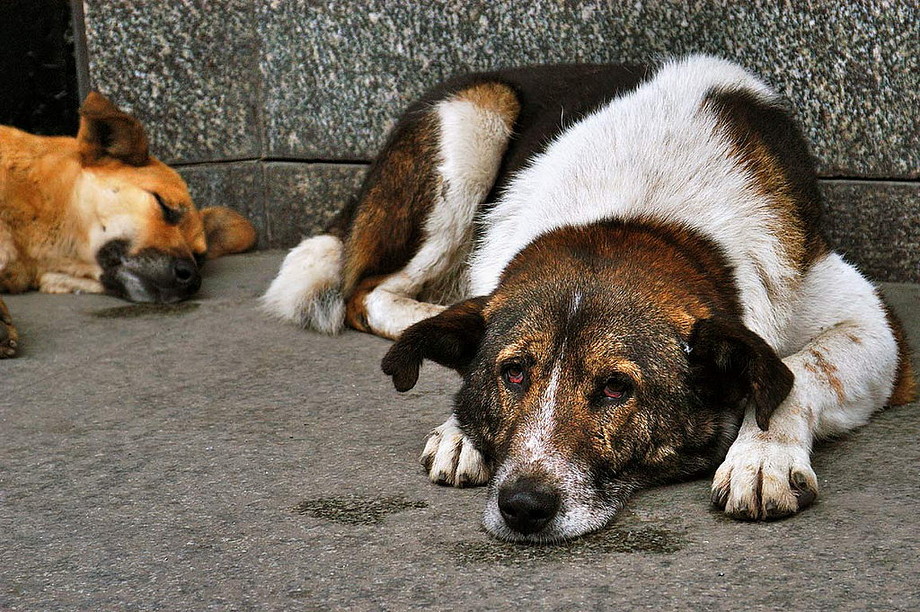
<point x="202" y="456"/>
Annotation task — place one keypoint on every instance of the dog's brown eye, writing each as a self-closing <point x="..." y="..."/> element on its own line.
<point x="513" y="374"/>
<point x="617" y="389"/>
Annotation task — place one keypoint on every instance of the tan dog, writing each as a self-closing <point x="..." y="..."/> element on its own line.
<point x="98" y="214"/>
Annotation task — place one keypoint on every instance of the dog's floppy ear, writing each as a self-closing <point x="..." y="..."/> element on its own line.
<point x="450" y="338"/>
<point x="106" y="131"/>
<point x="226" y="231"/>
<point x="731" y="362"/>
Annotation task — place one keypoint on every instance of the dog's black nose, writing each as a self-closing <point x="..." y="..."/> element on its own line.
<point x="527" y="504"/>
<point x="185" y="271"/>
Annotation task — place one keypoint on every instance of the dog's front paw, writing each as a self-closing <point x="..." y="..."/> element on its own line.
<point x="8" y="336"/>
<point x="763" y="479"/>
<point x="56" y="282"/>
<point x="451" y="459"/>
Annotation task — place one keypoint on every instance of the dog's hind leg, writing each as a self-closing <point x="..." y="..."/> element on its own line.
<point x="852" y="361"/>
<point x="469" y="131"/>
<point x="411" y="226"/>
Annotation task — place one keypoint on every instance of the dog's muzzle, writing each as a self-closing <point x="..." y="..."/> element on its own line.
<point x="527" y="504"/>
<point x="148" y="276"/>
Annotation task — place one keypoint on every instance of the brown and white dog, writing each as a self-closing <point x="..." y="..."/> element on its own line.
<point x="643" y="293"/>
<point x="98" y="214"/>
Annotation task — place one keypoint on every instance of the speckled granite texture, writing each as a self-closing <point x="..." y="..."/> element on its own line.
<point x="239" y="185"/>
<point x="306" y="197"/>
<point x="309" y="84"/>
<point x="876" y="225"/>
<point x="189" y="70"/>
<point x="331" y="76"/>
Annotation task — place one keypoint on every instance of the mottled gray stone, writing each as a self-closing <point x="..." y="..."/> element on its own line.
<point x="324" y="81"/>
<point x="189" y="70"/>
<point x="876" y="225"/>
<point x="304" y="198"/>
<point x="332" y="76"/>
<point x="239" y="186"/>
<point x="336" y="76"/>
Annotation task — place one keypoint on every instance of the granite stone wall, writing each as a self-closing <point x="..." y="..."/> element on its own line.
<point x="275" y="107"/>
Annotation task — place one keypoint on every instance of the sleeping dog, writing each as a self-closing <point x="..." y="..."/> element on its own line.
<point x="640" y="289"/>
<point x="98" y="214"/>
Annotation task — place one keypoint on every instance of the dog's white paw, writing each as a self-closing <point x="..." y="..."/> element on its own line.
<point x="764" y="478"/>
<point x="451" y="459"/>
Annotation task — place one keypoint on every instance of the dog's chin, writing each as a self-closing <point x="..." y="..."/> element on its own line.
<point x="128" y="285"/>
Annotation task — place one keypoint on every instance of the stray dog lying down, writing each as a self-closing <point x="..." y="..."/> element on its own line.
<point x="640" y="291"/>
<point x="98" y="214"/>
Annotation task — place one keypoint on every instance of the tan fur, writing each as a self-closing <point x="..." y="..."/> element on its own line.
<point x="495" y="97"/>
<point x="62" y="199"/>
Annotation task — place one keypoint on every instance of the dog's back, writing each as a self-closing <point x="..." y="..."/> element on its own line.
<point x="702" y="144"/>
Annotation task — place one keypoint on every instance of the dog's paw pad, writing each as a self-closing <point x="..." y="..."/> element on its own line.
<point x="764" y="480"/>
<point x="451" y="459"/>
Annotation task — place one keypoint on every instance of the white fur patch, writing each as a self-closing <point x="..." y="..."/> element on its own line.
<point x="653" y="153"/>
<point x="56" y="282"/>
<point x="307" y="289"/>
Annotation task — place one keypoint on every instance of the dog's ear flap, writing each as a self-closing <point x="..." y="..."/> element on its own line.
<point x="450" y="338"/>
<point x="226" y="231"/>
<point x="735" y="365"/>
<point x="106" y="131"/>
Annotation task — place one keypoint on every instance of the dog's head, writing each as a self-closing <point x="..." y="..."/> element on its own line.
<point x="592" y="370"/>
<point x="144" y="231"/>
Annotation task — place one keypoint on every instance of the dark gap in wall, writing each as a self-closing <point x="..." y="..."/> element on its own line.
<point x="38" y="73"/>
<point x="283" y="160"/>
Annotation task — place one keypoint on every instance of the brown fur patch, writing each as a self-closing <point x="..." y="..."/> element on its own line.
<point x="767" y="143"/>
<point x="397" y="195"/>
<point x="401" y="188"/>
<point x="9" y="338"/>
<point x="227" y="231"/>
<point x="905" y="386"/>
<point x="828" y="371"/>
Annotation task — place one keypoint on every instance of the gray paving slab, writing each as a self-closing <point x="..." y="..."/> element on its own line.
<point x="204" y="457"/>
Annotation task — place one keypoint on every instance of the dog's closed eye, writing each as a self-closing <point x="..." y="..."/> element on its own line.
<point x="172" y="216"/>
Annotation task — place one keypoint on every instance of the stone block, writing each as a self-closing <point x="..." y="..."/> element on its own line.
<point x="239" y="186"/>
<point x="188" y="70"/>
<point x="304" y="198"/>
<point x="297" y="79"/>
<point x="876" y="225"/>
<point x="336" y="78"/>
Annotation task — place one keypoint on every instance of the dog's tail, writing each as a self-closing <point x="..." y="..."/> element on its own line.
<point x="308" y="288"/>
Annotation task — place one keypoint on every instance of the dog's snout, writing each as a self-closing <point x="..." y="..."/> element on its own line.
<point x="185" y="271"/>
<point x="528" y="504"/>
